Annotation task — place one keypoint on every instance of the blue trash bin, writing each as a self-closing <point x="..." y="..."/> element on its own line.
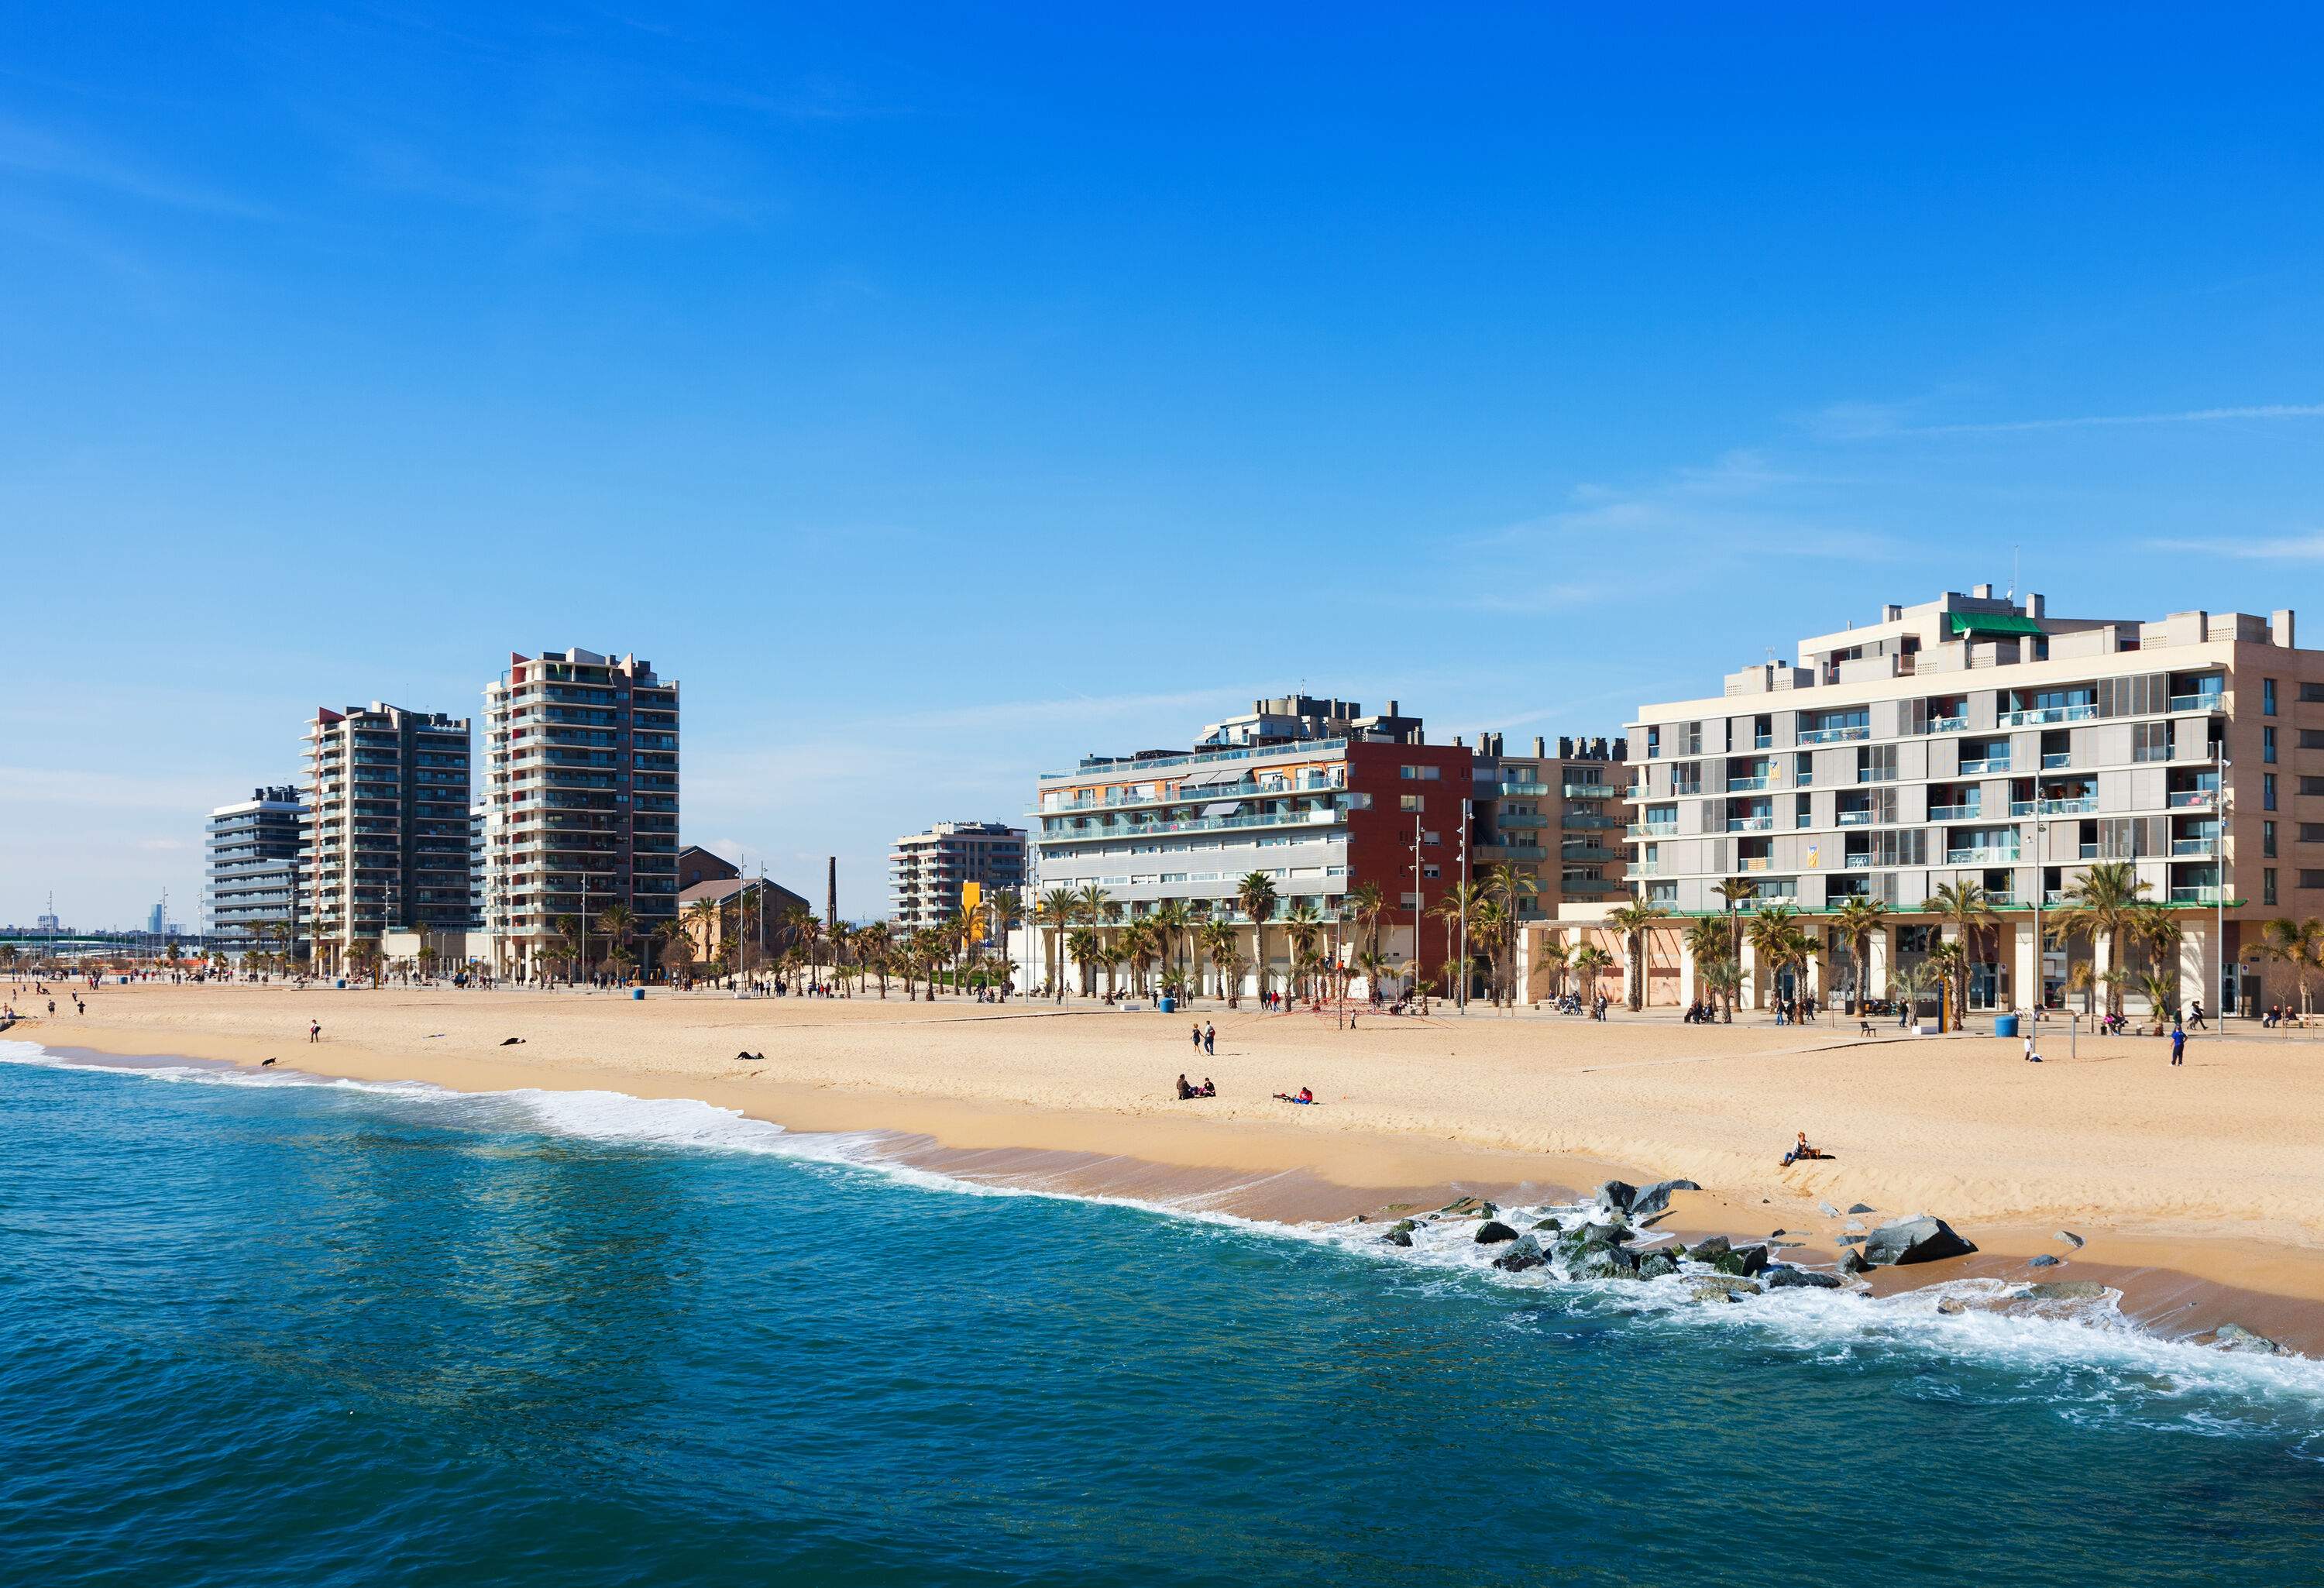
<point x="2005" y="1025"/>
<point x="637" y="993"/>
<point x="342" y="981"/>
<point x="1167" y="1005"/>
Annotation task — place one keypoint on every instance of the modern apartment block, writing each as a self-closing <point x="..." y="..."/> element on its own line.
<point x="1313" y="792"/>
<point x="1558" y="818"/>
<point x="929" y="872"/>
<point x="256" y="850"/>
<point x="580" y="796"/>
<point x="1973" y="738"/>
<point x="388" y="812"/>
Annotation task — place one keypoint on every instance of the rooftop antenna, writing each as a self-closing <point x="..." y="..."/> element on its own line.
<point x="2013" y="573"/>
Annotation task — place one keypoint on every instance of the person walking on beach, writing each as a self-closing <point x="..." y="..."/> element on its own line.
<point x="1198" y="1036"/>
<point x="1209" y="1040"/>
<point x="314" y="1031"/>
<point x="2177" y="1044"/>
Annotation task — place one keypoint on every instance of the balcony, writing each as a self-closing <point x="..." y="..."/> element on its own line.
<point x="2191" y="798"/>
<point x="1583" y="821"/>
<point x="2198" y="896"/>
<point x="2042" y="716"/>
<point x="1651" y="829"/>
<point x="1755" y="864"/>
<point x="2206" y="700"/>
<point x="1763" y="741"/>
<point x="1530" y="790"/>
<point x="1745" y="785"/>
<point x="2080" y="805"/>
<point x="1751" y="823"/>
<point x="1580" y="854"/>
<point x="2203" y="846"/>
<point x="2006" y="855"/>
<point x="1991" y="764"/>
<point x="1857" y="863"/>
<point x="2056" y="759"/>
<point x="1521" y="820"/>
<point x="1593" y="791"/>
<point x="1591" y="885"/>
<point x="1954" y="812"/>
<point x="1948" y="724"/>
<point x="1854" y="818"/>
<point x="1834" y="735"/>
<point x="1218" y="824"/>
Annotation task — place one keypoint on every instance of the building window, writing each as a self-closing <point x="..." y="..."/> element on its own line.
<point x="2267" y="696"/>
<point x="2267" y="840"/>
<point x="2312" y="831"/>
<point x="2309" y="694"/>
<point x="1426" y="774"/>
<point x="2267" y="746"/>
<point x="2312" y="879"/>
<point x="1803" y="769"/>
<point x="1800" y="812"/>
<point x="2267" y="885"/>
<point x="2150" y="741"/>
<point x="2312" y="738"/>
<point x="1431" y="871"/>
<point x="2267" y="791"/>
<point x="1661" y="893"/>
<point x="1653" y="741"/>
<point x="1691" y="744"/>
<point x="1411" y="801"/>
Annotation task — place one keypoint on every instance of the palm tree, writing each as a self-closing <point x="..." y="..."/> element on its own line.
<point x="701" y="919"/>
<point x="1967" y="909"/>
<point x="1511" y="886"/>
<point x="2297" y="944"/>
<point x="1769" y="934"/>
<point x="2101" y="902"/>
<point x="1168" y="921"/>
<point x="1083" y="944"/>
<point x="1588" y="963"/>
<point x="1304" y="924"/>
<point x="1950" y="962"/>
<point x="1856" y="919"/>
<point x="2083" y="979"/>
<point x="1709" y="938"/>
<point x="567" y="930"/>
<point x="1255" y="897"/>
<point x="1914" y="983"/>
<point x="1059" y="909"/>
<point x="2160" y="991"/>
<point x="677" y="950"/>
<point x="1097" y="907"/>
<point x="617" y="923"/>
<point x="872" y="946"/>
<point x="1366" y="904"/>
<point x="1553" y="956"/>
<point x="1719" y="974"/>
<point x="1633" y="920"/>
<point x="1488" y="924"/>
<point x="1217" y="940"/>
<point x="1734" y="893"/>
<point x="1458" y="904"/>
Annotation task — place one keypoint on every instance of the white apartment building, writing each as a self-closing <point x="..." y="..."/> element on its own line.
<point x="929" y="873"/>
<point x="256" y="850"/>
<point x="580" y="804"/>
<point x="1975" y="738"/>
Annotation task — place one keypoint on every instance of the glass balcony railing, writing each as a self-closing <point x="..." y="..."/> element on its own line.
<point x="1948" y="724"/>
<point x="1217" y="824"/>
<point x="2194" y="845"/>
<point x="2198" y="896"/>
<point x="2056" y="759"/>
<point x="1954" y="812"/>
<point x="2191" y="799"/>
<point x="1751" y="823"/>
<point x="2035" y="716"/>
<point x="1651" y="829"/>
<point x="1835" y="735"/>
<point x="1991" y="764"/>
<point x="2080" y="805"/>
<point x="1742" y="785"/>
<point x="2202" y="700"/>
<point x="1533" y="789"/>
<point x="1984" y="856"/>
<point x="1854" y="818"/>
<point x="1583" y="821"/>
<point x="1857" y="862"/>
<point x="1593" y="791"/>
<point x="1754" y="864"/>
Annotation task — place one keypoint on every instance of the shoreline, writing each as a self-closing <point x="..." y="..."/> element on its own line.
<point x="2180" y="1275"/>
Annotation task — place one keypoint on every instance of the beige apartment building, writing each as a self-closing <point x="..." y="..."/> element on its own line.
<point x="1978" y="738"/>
<point x="580" y="802"/>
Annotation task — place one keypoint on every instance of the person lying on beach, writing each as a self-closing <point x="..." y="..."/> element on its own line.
<point x="1306" y="1094"/>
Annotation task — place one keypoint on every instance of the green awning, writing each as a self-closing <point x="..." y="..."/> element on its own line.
<point x="1990" y="622"/>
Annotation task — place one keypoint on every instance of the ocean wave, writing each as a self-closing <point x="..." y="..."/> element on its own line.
<point x="2090" y="1359"/>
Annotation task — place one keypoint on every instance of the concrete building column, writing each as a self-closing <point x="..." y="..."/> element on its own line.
<point x="2198" y="966"/>
<point x="1687" y="985"/>
<point x="1875" y="972"/>
<point x="2025" y="967"/>
<point x="1747" y="996"/>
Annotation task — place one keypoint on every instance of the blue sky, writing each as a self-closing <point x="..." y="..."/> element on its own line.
<point x="939" y="393"/>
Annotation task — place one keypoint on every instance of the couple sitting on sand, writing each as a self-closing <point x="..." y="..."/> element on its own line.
<point x="1804" y="1152"/>
<point x="1209" y="1088"/>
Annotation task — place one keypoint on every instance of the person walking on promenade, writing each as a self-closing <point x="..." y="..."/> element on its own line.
<point x="2177" y="1044"/>
<point x="2195" y="1021"/>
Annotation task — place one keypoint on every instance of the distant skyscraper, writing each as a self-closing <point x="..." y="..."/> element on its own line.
<point x="257" y="849"/>
<point x="388" y="805"/>
<point x="580" y="800"/>
<point x="153" y="920"/>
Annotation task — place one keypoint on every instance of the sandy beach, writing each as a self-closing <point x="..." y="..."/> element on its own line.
<point x="2199" y="1190"/>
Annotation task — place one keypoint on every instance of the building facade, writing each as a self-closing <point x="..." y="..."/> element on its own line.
<point x="1557" y="817"/>
<point x="1311" y="792"/>
<point x="387" y="796"/>
<point x="929" y="873"/>
<point x="256" y="853"/>
<point x="581" y="802"/>
<point x="1974" y="739"/>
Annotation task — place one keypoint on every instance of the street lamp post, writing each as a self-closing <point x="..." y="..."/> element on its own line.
<point x="2219" y="884"/>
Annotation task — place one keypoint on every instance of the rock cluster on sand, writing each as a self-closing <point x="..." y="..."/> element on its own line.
<point x="2236" y="1338"/>
<point x="1916" y="1240"/>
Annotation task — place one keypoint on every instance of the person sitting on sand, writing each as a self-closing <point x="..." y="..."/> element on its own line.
<point x="1185" y="1091"/>
<point x="1306" y="1094"/>
<point x="1803" y="1151"/>
<point x="1209" y="1088"/>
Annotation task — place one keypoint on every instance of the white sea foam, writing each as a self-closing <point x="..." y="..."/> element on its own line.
<point x="2086" y="1356"/>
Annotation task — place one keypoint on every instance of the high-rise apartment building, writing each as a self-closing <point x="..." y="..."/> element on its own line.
<point x="1320" y="798"/>
<point x="581" y="801"/>
<point x="1974" y="739"/>
<point x="929" y="873"/>
<point x="256" y="851"/>
<point x="387" y="796"/>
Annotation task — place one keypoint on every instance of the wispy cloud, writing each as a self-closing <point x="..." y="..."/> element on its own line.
<point x="1871" y="421"/>
<point x="27" y="150"/>
<point x="2280" y="548"/>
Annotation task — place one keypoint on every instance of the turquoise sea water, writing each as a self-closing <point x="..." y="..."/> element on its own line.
<point x="281" y="1331"/>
